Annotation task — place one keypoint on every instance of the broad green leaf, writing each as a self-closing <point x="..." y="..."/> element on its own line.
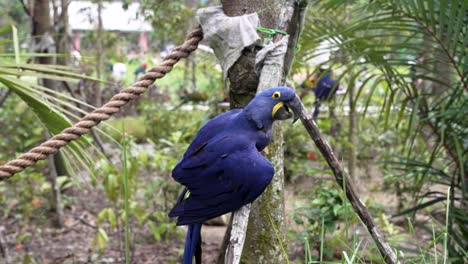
<point x="53" y="120"/>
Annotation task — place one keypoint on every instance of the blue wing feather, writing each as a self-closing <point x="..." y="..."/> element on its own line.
<point x="224" y="175"/>
<point x="214" y="127"/>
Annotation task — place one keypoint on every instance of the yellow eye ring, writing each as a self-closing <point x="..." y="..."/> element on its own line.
<point x="276" y="95"/>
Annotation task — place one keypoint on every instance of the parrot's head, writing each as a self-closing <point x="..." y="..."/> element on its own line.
<point x="277" y="103"/>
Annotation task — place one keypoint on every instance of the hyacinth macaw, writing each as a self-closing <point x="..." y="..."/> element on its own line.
<point x="326" y="88"/>
<point x="223" y="168"/>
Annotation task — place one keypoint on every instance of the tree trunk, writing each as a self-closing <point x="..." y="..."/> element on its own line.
<point x="63" y="48"/>
<point x="42" y="35"/>
<point x="63" y="40"/>
<point x="56" y="195"/>
<point x="266" y="231"/>
<point x="44" y="43"/>
<point x="352" y="134"/>
<point x="99" y="32"/>
<point x="243" y="80"/>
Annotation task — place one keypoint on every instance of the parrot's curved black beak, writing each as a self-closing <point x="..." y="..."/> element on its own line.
<point x="285" y="108"/>
<point x="296" y="106"/>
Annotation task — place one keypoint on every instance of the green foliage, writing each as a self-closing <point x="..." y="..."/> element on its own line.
<point x="12" y="13"/>
<point x="208" y="78"/>
<point x="326" y="205"/>
<point x="19" y="126"/>
<point x="295" y="153"/>
<point x="161" y="227"/>
<point x="161" y="122"/>
<point x="134" y="126"/>
<point x="169" y="17"/>
<point x="156" y="140"/>
<point x="410" y="59"/>
<point x="101" y="239"/>
<point x="54" y="110"/>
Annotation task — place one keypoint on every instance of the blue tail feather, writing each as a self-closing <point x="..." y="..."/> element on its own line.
<point x="193" y="244"/>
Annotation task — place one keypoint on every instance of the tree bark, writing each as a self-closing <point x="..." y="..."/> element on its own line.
<point x="243" y="80"/>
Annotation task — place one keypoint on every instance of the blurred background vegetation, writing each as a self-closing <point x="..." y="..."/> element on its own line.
<point x="399" y="124"/>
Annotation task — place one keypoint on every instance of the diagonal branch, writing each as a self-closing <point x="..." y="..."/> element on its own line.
<point x="343" y="180"/>
<point x="25" y="8"/>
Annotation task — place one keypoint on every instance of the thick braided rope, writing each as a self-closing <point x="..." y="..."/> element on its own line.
<point x="103" y="113"/>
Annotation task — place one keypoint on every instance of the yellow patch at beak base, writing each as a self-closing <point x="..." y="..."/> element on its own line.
<point x="275" y="109"/>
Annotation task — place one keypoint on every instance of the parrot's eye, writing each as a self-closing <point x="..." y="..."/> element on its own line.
<point x="276" y="95"/>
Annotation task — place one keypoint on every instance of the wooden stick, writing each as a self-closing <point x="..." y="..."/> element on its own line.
<point x="238" y="233"/>
<point x="341" y="175"/>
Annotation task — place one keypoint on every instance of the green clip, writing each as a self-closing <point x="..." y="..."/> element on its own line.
<point x="271" y="32"/>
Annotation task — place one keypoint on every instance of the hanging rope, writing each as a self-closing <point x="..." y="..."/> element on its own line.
<point x="103" y="113"/>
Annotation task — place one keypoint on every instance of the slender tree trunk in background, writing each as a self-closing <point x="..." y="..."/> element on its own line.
<point x="4" y="247"/>
<point x="261" y="242"/>
<point x="352" y="118"/>
<point x="352" y="134"/>
<point x="44" y="43"/>
<point x="42" y="35"/>
<point x="57" y="197"/>
<point x="63" y="48"/>
<point x="4" y="97"/>
<point x="63" y="40"/>
<point x="99" y="56"/>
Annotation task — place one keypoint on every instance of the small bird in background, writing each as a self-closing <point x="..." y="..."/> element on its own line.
<point x="140" y="70"/>
<point x="223" y="169"/>
<point x="323" y="85"/>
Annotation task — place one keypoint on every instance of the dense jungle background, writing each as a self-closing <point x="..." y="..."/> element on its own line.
<point x="396" y="119"/>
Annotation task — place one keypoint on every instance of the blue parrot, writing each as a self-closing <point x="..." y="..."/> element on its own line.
<point x="223" y="169"/>
<point x="326" y="88"/>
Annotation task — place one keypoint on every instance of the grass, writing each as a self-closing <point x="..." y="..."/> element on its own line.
<point x="283" y="250"/>
<point x="126" y="197"/>
<point x="436" y="248"/>
<point x="355" y="250"/>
